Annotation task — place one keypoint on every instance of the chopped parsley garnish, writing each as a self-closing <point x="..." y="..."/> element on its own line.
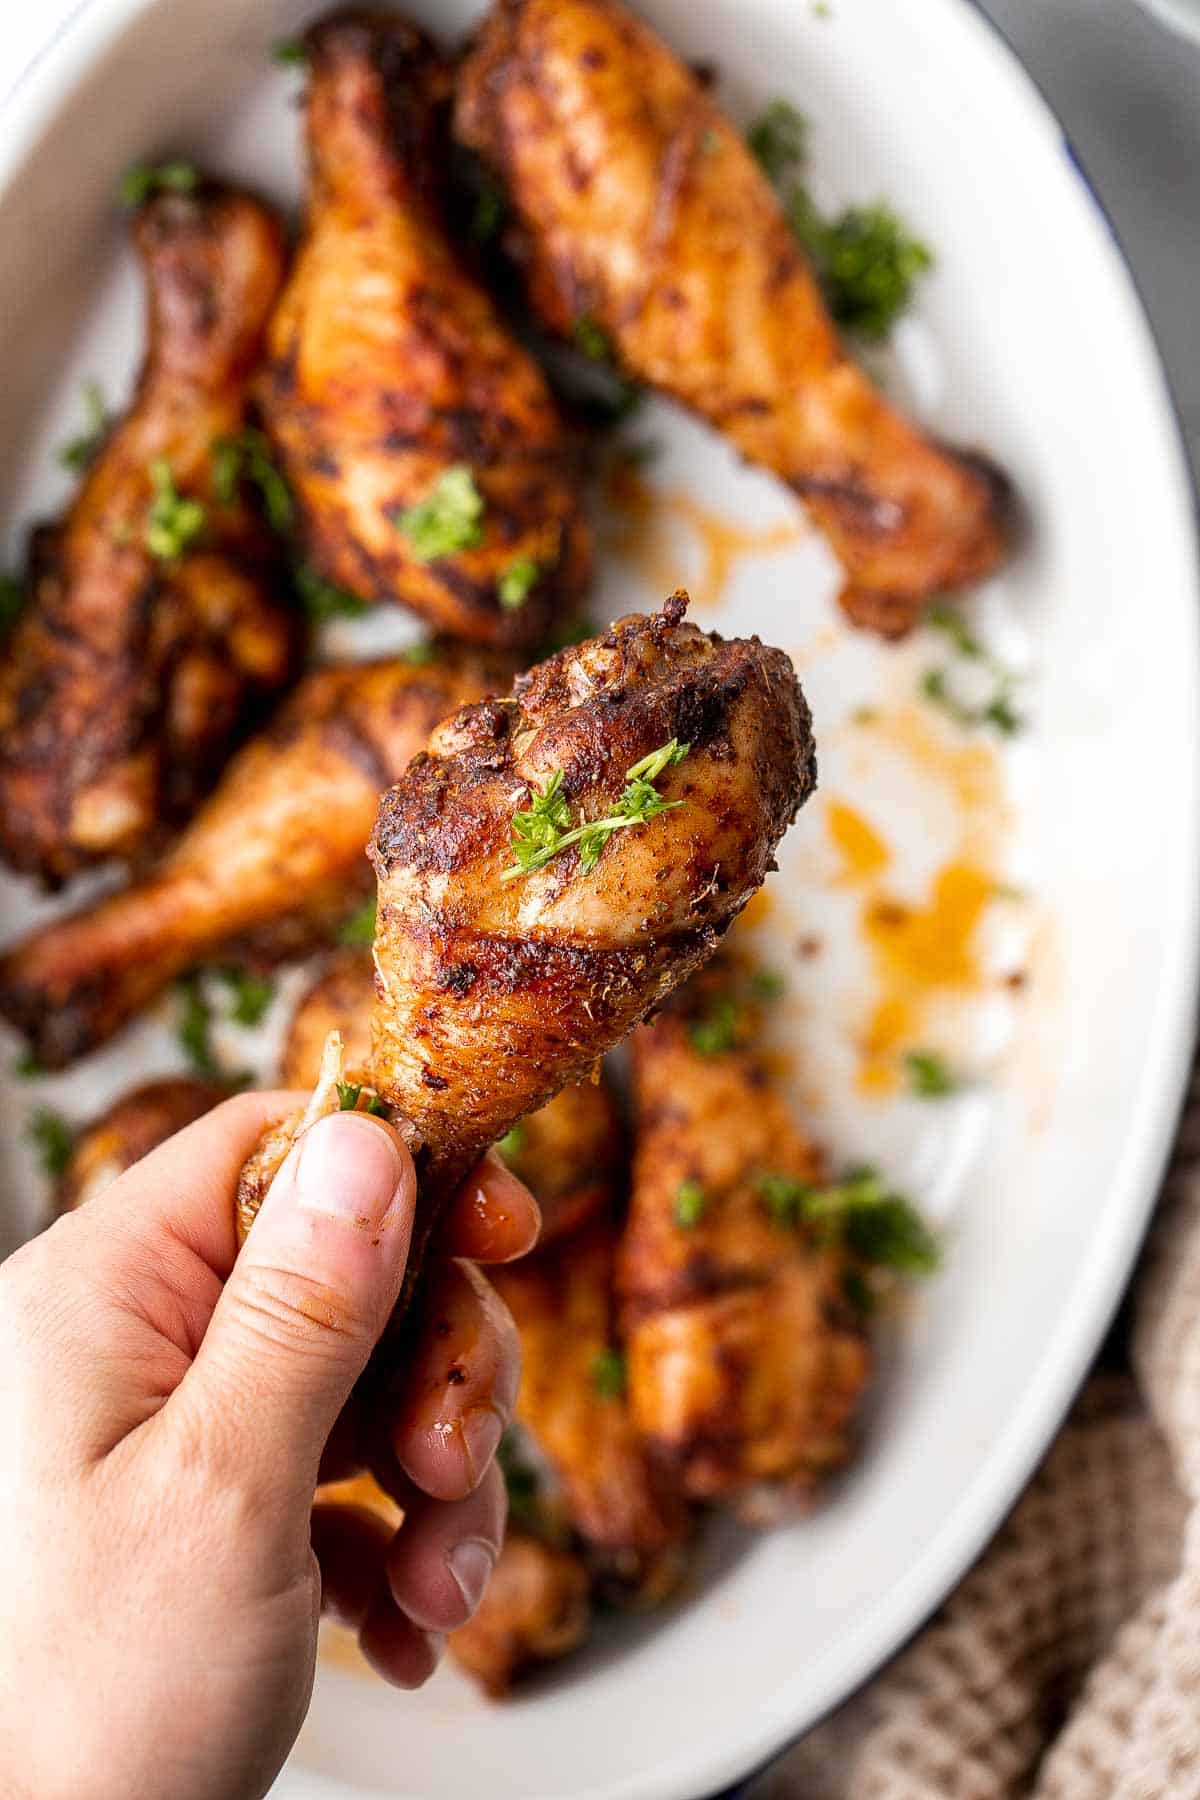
<point x="513" y="1142"/>
<point x="491" y="207"/>
<point x="289" y="53"/>
<point x="79" y="453"/>
<point x="359" y="927"/>
<point x="247" y="457"/>
<point x="608" y="1374"/>
<point x="143" y="180"/>
<point x="27" y="1067"/>
<point x="592" y="339"/>
<point x="172" y="521"/>
<point x="251" y="995"/>
<point x="12" y="599"/>
<point x="517" y="582"/>
<point x="194" y="1028"/>
<point x="520" y="1480"/>
<point x="717" y="1030"/>
<point x="948" y="619"/>
<point x="867" y="261"/>
<point x="998" y="711"/>
<point x="690" y="1204"/>
<point x="929" y="1075"/>
<point x="778" y="140"/>
<point x="449" y="518"/>
<point x="54" y="1140"/>
<point x="421" y="653"/>
<point x="349" y="1093"/>
<point x="768" y="984"/>
<point x="322" y="599"/>
<point x="541" y="831"/>
<point x="875" y="1224"/>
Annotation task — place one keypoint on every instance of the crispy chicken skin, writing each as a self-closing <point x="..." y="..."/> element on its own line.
<point x="745" y="1363"/>
<point x="134" y="1125"/>
<point x="388" y="364"/>
<point x="128" y="677"/>
<point x="628" y="1512"/>
<point x="536" y="1609"/>
<point x="566" y="1153"/>
<point x="284" y="832"/>
<point x="494" y="994"/>
<point x="641" y="209"/>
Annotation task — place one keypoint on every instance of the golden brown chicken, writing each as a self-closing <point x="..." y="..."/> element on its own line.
<point x="283" y="836"/>
<point x="154" y="630"/>
<point x="633" y="1522"/>
<point x="553" y="867"/>
<point x="134" y="1125"/>
<point x="567" y="1153"/>
<point x="421" y="441"/>
<point x="642" y="214"/>
<point x="535" y="1610"/>
<point x="746" y="1361"/>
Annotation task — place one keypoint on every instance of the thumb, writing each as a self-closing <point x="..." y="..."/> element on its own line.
<point x="307" y="1299"/>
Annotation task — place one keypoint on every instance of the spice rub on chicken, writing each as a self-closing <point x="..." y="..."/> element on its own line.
<point x="154" y="629"/>
<point x="642" y="218"/>
<point x="421" y="441"/>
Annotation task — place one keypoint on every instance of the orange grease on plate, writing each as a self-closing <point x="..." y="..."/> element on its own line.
<point x="646" y="535"/>
<point x="924" y="951"/>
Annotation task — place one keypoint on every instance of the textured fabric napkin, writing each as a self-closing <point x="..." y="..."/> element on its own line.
<point x="1067" y="1664"/>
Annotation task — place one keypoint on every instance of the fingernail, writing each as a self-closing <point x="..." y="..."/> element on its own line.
<point x="471" y="1564"/>
<point x="347" y="1168"/>
<point x="482" y="1430"/>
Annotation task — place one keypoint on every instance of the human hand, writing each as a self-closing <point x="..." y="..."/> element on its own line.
<point x="165" y="1417"/>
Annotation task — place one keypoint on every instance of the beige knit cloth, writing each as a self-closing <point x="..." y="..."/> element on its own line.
<point x="1067" y="1664"/>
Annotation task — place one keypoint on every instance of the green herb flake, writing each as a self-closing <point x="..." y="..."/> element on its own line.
<point x="541" y="831"/>
<point x="251" y="995"/>
<point x="193" y="1029"/>
<point x="608" y="1374"/>
<point x="289" y="53"/>
<point x="248" y="457"/>
<point x="54" y="1140"/>
<point x="12" y="600"/>
<point x="512" y="1143"/>
<point x="878" y="1226"/>
<point x="517" y="583"/>
<point x="998" y="711"/>
<point x="421" y="653"/>
<point x="784" y="1198"/>
<point x="866" y="260"/>
<point x="520" y="1480"/>
<point x="691" y="1203"/>
<point x="768" y="984"/>
<point x="929" y="1075"/>
<point x="347" y="1093"/>
<point x="593" y="340"/>
<point x="717" y="1031"/>
<point x="27" y="1067"/>
<point x="323" y="600"/>
<point x="78" y="453"/>
<point x="377" y="1107"/>
<point x="172" y="521"/>
<point x="778" y="139"/>
<point x="144" y="180"/>
<point x="359" y="928"/>
<point x="946" y="618"/>
<point x="450" y="517"/>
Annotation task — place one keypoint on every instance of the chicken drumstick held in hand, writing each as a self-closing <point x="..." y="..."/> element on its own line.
<point x="154" y="630"/>
<point x="422" y="444"/>
<point x="554" y="866"/>
<point x="642" y="215"/>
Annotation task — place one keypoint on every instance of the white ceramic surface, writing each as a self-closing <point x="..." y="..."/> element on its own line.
<point x="1028" y="340"/>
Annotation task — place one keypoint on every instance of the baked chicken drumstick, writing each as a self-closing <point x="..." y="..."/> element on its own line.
<point x="642" y="215"/>
<point x="153" y="631"/>
<point x="282" y="836"/>
<point x="746" y="1362"/>
<point x="421" y="442"/>
<point x="554" y="866"/>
